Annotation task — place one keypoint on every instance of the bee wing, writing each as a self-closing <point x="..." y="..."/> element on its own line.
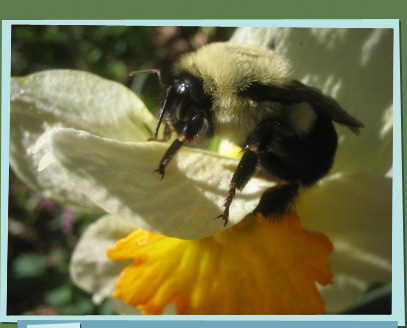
<point x="296" y="92"/>
<point x="324" y="105"/>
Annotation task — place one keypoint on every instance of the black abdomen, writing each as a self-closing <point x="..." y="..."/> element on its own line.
<point x="304" y="160"/>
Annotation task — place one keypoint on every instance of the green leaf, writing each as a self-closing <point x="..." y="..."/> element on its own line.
<point x="106" y="308"/>
<point x="30" y="265"/>
<point x="81" y="306"/>
<point x="59" y="296"/>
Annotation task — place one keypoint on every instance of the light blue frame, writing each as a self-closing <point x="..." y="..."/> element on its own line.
<point x="398" y="306"/>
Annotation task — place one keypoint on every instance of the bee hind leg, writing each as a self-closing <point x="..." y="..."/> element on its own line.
<point x="242" y="175"/>
<point x="260" y="137"/>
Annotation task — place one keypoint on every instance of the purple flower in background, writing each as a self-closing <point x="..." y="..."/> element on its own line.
<point x="68" y="219"/>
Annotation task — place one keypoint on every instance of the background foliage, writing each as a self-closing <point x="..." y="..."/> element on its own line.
<point x="42" y="235"/>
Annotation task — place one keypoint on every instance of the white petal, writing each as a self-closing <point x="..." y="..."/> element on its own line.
<point x="37" y="167"/>
<point x="90" y="269"/>
<point x="355" y="66"/>
<point x="355" y="212"/>
<point x="79" y="100"/>
<point x="62" y="98"/>
<point x="119" y="178"/>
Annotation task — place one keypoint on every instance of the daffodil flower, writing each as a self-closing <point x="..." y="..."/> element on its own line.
<point x="82" y="141"/>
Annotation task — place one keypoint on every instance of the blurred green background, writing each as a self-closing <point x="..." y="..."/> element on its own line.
<point x="42" y="235"/>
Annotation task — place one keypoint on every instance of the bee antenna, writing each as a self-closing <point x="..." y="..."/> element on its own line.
<point x="168" y="98"/>
<point x="155" y="71"/>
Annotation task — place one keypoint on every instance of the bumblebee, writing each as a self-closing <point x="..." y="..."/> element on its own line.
<point x="246" y="94"/>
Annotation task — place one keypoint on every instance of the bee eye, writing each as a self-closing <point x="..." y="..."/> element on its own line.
<point x="183" y="103"/>
<point x="182" y="109"/>
<point x="182" y="88"/>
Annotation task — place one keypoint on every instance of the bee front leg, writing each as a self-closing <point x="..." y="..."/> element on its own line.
<point x="169" y="154"/>
<point x="190" y="131"/>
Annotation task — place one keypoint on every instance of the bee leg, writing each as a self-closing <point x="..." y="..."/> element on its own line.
<point x="167" y="134"/>
<point x="242" y="175"/>
<point x="261" y="135"/>
<point x="169" y="154"/>
<point x="191" y="129"/>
